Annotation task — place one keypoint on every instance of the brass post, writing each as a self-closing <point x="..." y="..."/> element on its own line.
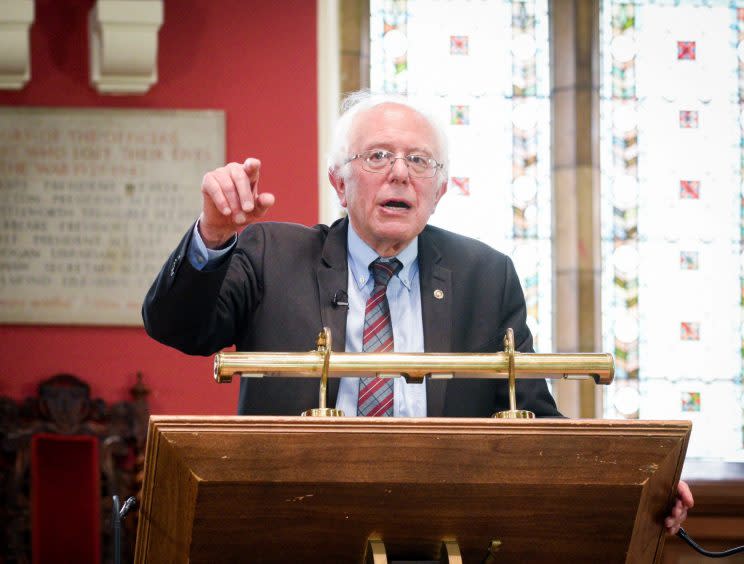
<point x="324" y="344"/>
<point x="512" y="412"/>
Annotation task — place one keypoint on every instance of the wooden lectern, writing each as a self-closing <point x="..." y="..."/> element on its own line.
<point x="299" y="489"/>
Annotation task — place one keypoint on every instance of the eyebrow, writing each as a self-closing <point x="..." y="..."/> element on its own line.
<point x="389" y="147"/>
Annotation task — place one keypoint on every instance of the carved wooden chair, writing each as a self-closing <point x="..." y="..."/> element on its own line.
<point x="64" y="407"/>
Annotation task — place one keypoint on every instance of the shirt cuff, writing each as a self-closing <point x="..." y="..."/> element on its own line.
<point x="202" y="258"/>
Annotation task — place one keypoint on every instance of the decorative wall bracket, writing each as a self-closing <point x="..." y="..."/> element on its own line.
<point x="16" y="17"/>
<point x="123" y="45"/>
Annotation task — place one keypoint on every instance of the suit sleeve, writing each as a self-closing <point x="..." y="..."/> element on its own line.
<point x="201" y="312"/>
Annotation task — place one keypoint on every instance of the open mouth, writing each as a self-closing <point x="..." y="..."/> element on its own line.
<point x="400" y="204"/>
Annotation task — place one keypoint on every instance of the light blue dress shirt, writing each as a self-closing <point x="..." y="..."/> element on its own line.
<point x="202" y="258"/>
<point x="404" y="298"/>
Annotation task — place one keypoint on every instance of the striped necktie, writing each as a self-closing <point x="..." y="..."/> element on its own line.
<point x="376" y="394"/>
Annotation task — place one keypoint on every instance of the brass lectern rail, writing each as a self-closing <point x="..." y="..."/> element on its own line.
<point x="415" y="367"/>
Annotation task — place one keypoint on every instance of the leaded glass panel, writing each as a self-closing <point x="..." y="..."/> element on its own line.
<point x="671" y="156"/>
<point x="484" y="66"/>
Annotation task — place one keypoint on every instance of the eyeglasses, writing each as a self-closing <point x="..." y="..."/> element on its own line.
<point x="377" y="160"/>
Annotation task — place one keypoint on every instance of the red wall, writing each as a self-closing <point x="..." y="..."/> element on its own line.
<point x="255" y="60"/>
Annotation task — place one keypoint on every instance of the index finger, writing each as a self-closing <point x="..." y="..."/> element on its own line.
<point x="252" y="169"/>
<point x="241" y="183"/>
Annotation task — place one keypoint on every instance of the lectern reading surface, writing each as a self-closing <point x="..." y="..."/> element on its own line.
<point x="292" y="489"/>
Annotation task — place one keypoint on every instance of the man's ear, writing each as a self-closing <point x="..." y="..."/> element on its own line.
<point x="441" y="191"/>
<point x="339" y="184"/>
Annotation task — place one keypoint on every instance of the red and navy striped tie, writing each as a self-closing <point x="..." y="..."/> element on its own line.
<point x="376" y="394"/>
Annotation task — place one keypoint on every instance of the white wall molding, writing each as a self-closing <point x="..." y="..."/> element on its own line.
<point x="329" y="91"/>
<point x="16" y="17"/>
<point x="123" y="45"/>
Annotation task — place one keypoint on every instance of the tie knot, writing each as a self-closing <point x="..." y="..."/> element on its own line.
<point x="384" y="270"/>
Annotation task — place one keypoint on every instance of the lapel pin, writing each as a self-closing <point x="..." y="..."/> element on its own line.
<point x="438" y="294"/>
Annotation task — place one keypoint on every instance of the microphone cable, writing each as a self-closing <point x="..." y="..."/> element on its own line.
<point x="730" y="552"/>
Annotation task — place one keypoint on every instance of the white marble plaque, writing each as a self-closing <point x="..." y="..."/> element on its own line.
<point x="92" y="202"/>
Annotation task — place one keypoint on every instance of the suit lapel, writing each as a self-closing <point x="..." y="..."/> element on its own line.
<point x="332" y="275"/>
<point x="436" y="311"/>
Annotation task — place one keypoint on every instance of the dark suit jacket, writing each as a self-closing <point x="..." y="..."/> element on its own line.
<point x="275" y="294"/>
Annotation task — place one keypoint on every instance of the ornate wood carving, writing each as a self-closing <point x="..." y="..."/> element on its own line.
<point x="64" y="406"/>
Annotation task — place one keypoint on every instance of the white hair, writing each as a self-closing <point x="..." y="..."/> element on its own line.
<point x="363" y="101"/>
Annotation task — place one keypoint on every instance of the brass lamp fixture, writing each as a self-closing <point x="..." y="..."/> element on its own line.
<point x="414" y="367"/>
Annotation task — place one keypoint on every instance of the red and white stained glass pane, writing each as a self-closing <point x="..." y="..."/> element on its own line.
<point x="686" y="50"/>
<point x="458" y="44"/>
<point x="672" y="222"/>
<point x="483" y="68"/>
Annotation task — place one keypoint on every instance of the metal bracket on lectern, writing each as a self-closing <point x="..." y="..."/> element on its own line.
<point x="450" y="552"/>
<point x="512" y="412"/>
<point x="324" y="344"/>
<point x="493" y="548"/>
<point x="375" y="552"/>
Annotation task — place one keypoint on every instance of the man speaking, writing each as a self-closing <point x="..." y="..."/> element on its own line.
<point x="381" y="279"/>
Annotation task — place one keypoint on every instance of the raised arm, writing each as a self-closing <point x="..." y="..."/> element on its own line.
<point x="198" y="308"/>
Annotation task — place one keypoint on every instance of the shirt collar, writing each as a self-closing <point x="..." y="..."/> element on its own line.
<point x="361" y="255"/>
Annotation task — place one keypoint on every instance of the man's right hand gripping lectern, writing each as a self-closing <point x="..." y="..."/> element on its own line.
<point x="323" y="489"/>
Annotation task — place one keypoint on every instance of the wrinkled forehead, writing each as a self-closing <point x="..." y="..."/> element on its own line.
<point x="392" y="125"/>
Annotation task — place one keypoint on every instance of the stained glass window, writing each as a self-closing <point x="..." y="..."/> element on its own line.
<point x="672" y="154"/>
<point x="484" y="66"/>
